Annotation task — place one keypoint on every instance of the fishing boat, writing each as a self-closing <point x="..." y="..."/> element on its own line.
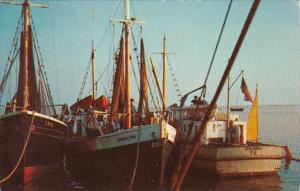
<point x="229" y="146"/>
<point x="32" y="136"/>
<point x="115" y="144"/>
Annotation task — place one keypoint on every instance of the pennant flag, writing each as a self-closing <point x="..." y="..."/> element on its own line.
<point x="247" y="96"/>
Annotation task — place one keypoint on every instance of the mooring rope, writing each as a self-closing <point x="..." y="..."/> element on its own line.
<point x="31" y="128"/>
<point x="136" y="160"/>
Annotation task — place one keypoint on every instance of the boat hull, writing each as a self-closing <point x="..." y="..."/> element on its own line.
<point x="241" y="160"/>
<point x="140" y="161"/>
<point x="44" y="151"/>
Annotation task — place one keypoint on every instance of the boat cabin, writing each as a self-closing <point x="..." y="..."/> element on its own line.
<point x="216" y="131"/>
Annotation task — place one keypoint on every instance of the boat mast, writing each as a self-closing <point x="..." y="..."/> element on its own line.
<point x="143" y="99"/>
<point x="164" y="54"/>
<point x="127" y="21"/>
<point x="93" y="58"/>
<point x="127" y="66"/>
<point x="229" y="86"/>
<point x="25" y="77"/>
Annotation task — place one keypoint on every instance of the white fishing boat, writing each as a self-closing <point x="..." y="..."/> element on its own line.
<point x="228" y="149"/>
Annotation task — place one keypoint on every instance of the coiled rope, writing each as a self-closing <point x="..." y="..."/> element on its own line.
<point x="31" y="128"/>
<point x="136" y="160"/>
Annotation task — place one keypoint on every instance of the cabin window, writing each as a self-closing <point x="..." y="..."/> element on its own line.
<point x="214" y="128"/>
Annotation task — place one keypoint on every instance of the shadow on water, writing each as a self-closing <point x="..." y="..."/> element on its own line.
<point x="208" y="182"/>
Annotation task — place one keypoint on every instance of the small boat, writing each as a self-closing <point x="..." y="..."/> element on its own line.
<point x="115" y="144"/>
<point x="32" y="137"/>
<point x="237" y="109"/>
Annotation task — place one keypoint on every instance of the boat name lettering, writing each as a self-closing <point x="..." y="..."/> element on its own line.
<point x="126" y="138"/>
<point x="48" y="124"/>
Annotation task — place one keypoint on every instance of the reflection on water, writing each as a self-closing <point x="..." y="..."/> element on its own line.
<point x="194" y="182"/>
<point x="211" y="183"/>
<point x="51" y="181"/>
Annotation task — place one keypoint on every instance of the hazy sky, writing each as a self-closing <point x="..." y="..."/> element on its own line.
<point x="270" y="55"/>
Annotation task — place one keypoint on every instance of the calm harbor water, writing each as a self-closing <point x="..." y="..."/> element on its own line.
<point x="278" y="125"/>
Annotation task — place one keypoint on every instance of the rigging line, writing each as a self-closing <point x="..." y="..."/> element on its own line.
<point x="42" y="75"/>
<point x="44" y="93"/>
<point x="150" y="90"/>
<point x="154" y="85"/>
<point x="137" y="57"/>
<point x="98" y="45"/>
<point x="139" y="65"/>
<point x="14" y="42"/>
<point x="135" y="48"/>
<point x="102" y="74"/>
<point x="114" y="60"/>
<point x="41" y="61"/>
<point x="134" y="74"/>
<point x="106" y="30"/>
<point x="2" y="85"/>
<point x="156" y="104"/>
<point x="177" y="89"/>
<point x="216" y="48"/>
<point x="111" y="60"/>
<point x="12" y="52"/>
<point x="84" y="80"/>
<point x="55" y="62"/>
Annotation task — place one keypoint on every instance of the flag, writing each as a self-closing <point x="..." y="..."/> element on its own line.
<point x="252" y="123"/>
<point x="247" y="96"/>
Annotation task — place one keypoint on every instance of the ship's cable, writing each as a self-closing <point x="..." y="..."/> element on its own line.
<point x="30" y="130"/>
<point x="216" y="48"/>
<point x="136" y="159"/>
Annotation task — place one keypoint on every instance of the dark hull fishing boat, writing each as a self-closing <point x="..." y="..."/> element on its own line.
<point x="32" y="139"/>
<point x="116" y="146"/>
<point x="130" y="158"/>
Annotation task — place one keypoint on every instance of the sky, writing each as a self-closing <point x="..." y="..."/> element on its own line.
<point x="269" y="56"/>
